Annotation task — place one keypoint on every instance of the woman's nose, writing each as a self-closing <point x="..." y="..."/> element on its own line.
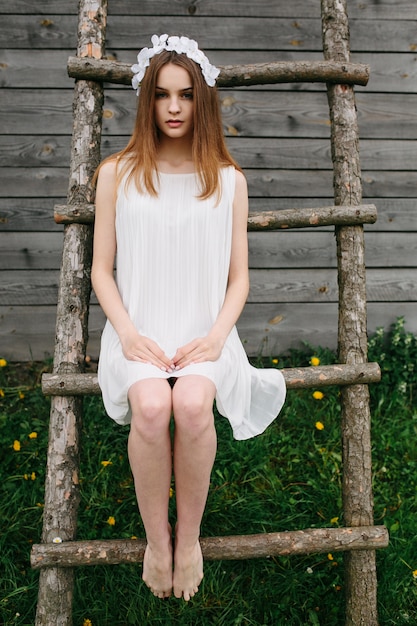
<point x="174" y="105"/>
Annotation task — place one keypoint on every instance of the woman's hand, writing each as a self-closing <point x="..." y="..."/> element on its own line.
<point x="198" y="350"/>
<point x="140" y="348"/>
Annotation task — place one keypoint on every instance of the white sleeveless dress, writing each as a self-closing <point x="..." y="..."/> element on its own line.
<point x="173" y="256"/>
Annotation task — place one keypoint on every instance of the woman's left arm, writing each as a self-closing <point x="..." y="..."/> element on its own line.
<point x="209" y="348"/>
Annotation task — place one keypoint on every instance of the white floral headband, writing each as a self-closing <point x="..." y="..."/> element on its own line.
<point x="180" y="45"/>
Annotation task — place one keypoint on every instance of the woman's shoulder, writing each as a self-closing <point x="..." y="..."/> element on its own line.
<point x="109" y="166"/>
<point x="240" y="180"/>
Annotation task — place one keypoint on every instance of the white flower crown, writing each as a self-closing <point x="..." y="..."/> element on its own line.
<point x="180" y="45"/>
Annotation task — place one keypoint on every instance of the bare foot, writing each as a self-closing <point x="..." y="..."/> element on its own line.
<point x="188" y="571"/>
<point x="157" y="570"/>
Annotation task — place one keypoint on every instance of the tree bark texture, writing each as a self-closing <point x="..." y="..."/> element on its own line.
<point x="235" y="75"/>
<point x="262" y="220"/>
<point x="295" y="378"/>
<point x="309" y="541"/>
<point x="61" y="487"/>
<point x="361" y="584"/>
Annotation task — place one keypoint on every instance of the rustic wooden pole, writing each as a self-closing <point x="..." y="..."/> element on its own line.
<point x="61" y="488"/>
<point x="235" y="75"/>
<point x="232" y="547"/>
<point x="261" y="220"/>
<point x="58" y="384"/>
<point x="361" y="583"/>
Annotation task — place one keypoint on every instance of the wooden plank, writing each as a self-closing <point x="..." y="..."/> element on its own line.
<point x="291" y="183"/>
<point x="294" y="249"/>
<point x="27" y="182"/>
<point x="312" y="153"/>
<point x="36" y="150"/>
<point x="40" y="287"/>
<point x="27" y="333"/>
<point x="28" y="287"/>
<point x="40" y="251"/>
<point x="264" y="114"/>
<point x="250" y="152"/>
<point x="308" y="285"/>
<point x="304" y="33"/>
<point x="34" y="30"/>
<point x="263" y="183"/>
<point x="47" y="111"/>
<point x="281" y="249"/>
<point x="390" y="72"/>
<point x="41" y="69"/>
<point x="245" y="113"/>
<point x="383" y="9"/>
<point x="59" y="31"/>
<point x="29" y="214"/>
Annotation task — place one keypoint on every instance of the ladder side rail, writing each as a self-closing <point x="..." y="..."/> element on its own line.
<point x="360" y="568"/>
<point x="62" y="485"/>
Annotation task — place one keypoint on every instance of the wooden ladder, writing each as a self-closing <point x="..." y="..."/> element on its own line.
<point x="59" y="553"/>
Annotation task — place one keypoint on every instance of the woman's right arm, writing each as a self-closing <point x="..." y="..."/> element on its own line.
<point x="135" y="347"/>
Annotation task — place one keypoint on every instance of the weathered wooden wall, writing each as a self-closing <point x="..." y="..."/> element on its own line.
<point x="279" y="134"/>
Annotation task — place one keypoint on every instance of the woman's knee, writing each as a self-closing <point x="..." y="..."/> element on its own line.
<point x="151" y="408"/>
<point x="193" y="406"/>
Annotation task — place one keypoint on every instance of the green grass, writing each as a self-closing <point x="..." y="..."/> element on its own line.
<point x="289" y="478"/>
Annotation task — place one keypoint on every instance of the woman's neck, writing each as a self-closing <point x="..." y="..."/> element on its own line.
<point x="175" y="157"/>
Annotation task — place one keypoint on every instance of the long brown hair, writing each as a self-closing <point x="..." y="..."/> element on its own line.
<point x="209" y="150"/>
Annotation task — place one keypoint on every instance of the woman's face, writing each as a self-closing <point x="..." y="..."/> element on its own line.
<point x="174" y="102"/>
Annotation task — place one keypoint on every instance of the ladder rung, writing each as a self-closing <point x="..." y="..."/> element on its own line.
<point x="104" y="70"/>
<point x="309" y="541"/>
<point x="295" y="378"/>
<point x="343" y="215"/>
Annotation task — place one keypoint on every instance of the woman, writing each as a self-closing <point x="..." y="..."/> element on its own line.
<point x="173" y="205"/>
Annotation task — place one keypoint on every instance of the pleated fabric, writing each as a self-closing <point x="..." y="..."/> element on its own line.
<point x="173" y="257"/>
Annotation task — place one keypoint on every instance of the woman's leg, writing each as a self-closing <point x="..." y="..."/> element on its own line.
<point x="194" y="453"/>
<point x="150" y="457"/>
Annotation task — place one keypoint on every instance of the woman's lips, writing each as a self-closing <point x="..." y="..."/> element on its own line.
<point x="174" y="123"/>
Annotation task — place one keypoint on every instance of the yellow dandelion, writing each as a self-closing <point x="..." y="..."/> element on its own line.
<point x="1" y="393"/>
<point x="133" y="537"/>
<point x="314" y="361"/>
<point x="21" y="395"/>
<point x="33" y="435"/>
<point x="415" y="573"/>
<point x="26" y="476"/>
<point x="171" y="492"/>
<point x="33" y="476"/>
<point x="87" y="622"/>
<point x="318" y="395"/>
<point x="3" y="362"/>
<point x="16" y="445"/>
<point x="319" y="426"/>
<point x="106" y="463"/>
<point x="330" y="557"/>
<point x="275" y="361"/>
<point x="334" y="520"/>
<point x="111" y="521"/>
